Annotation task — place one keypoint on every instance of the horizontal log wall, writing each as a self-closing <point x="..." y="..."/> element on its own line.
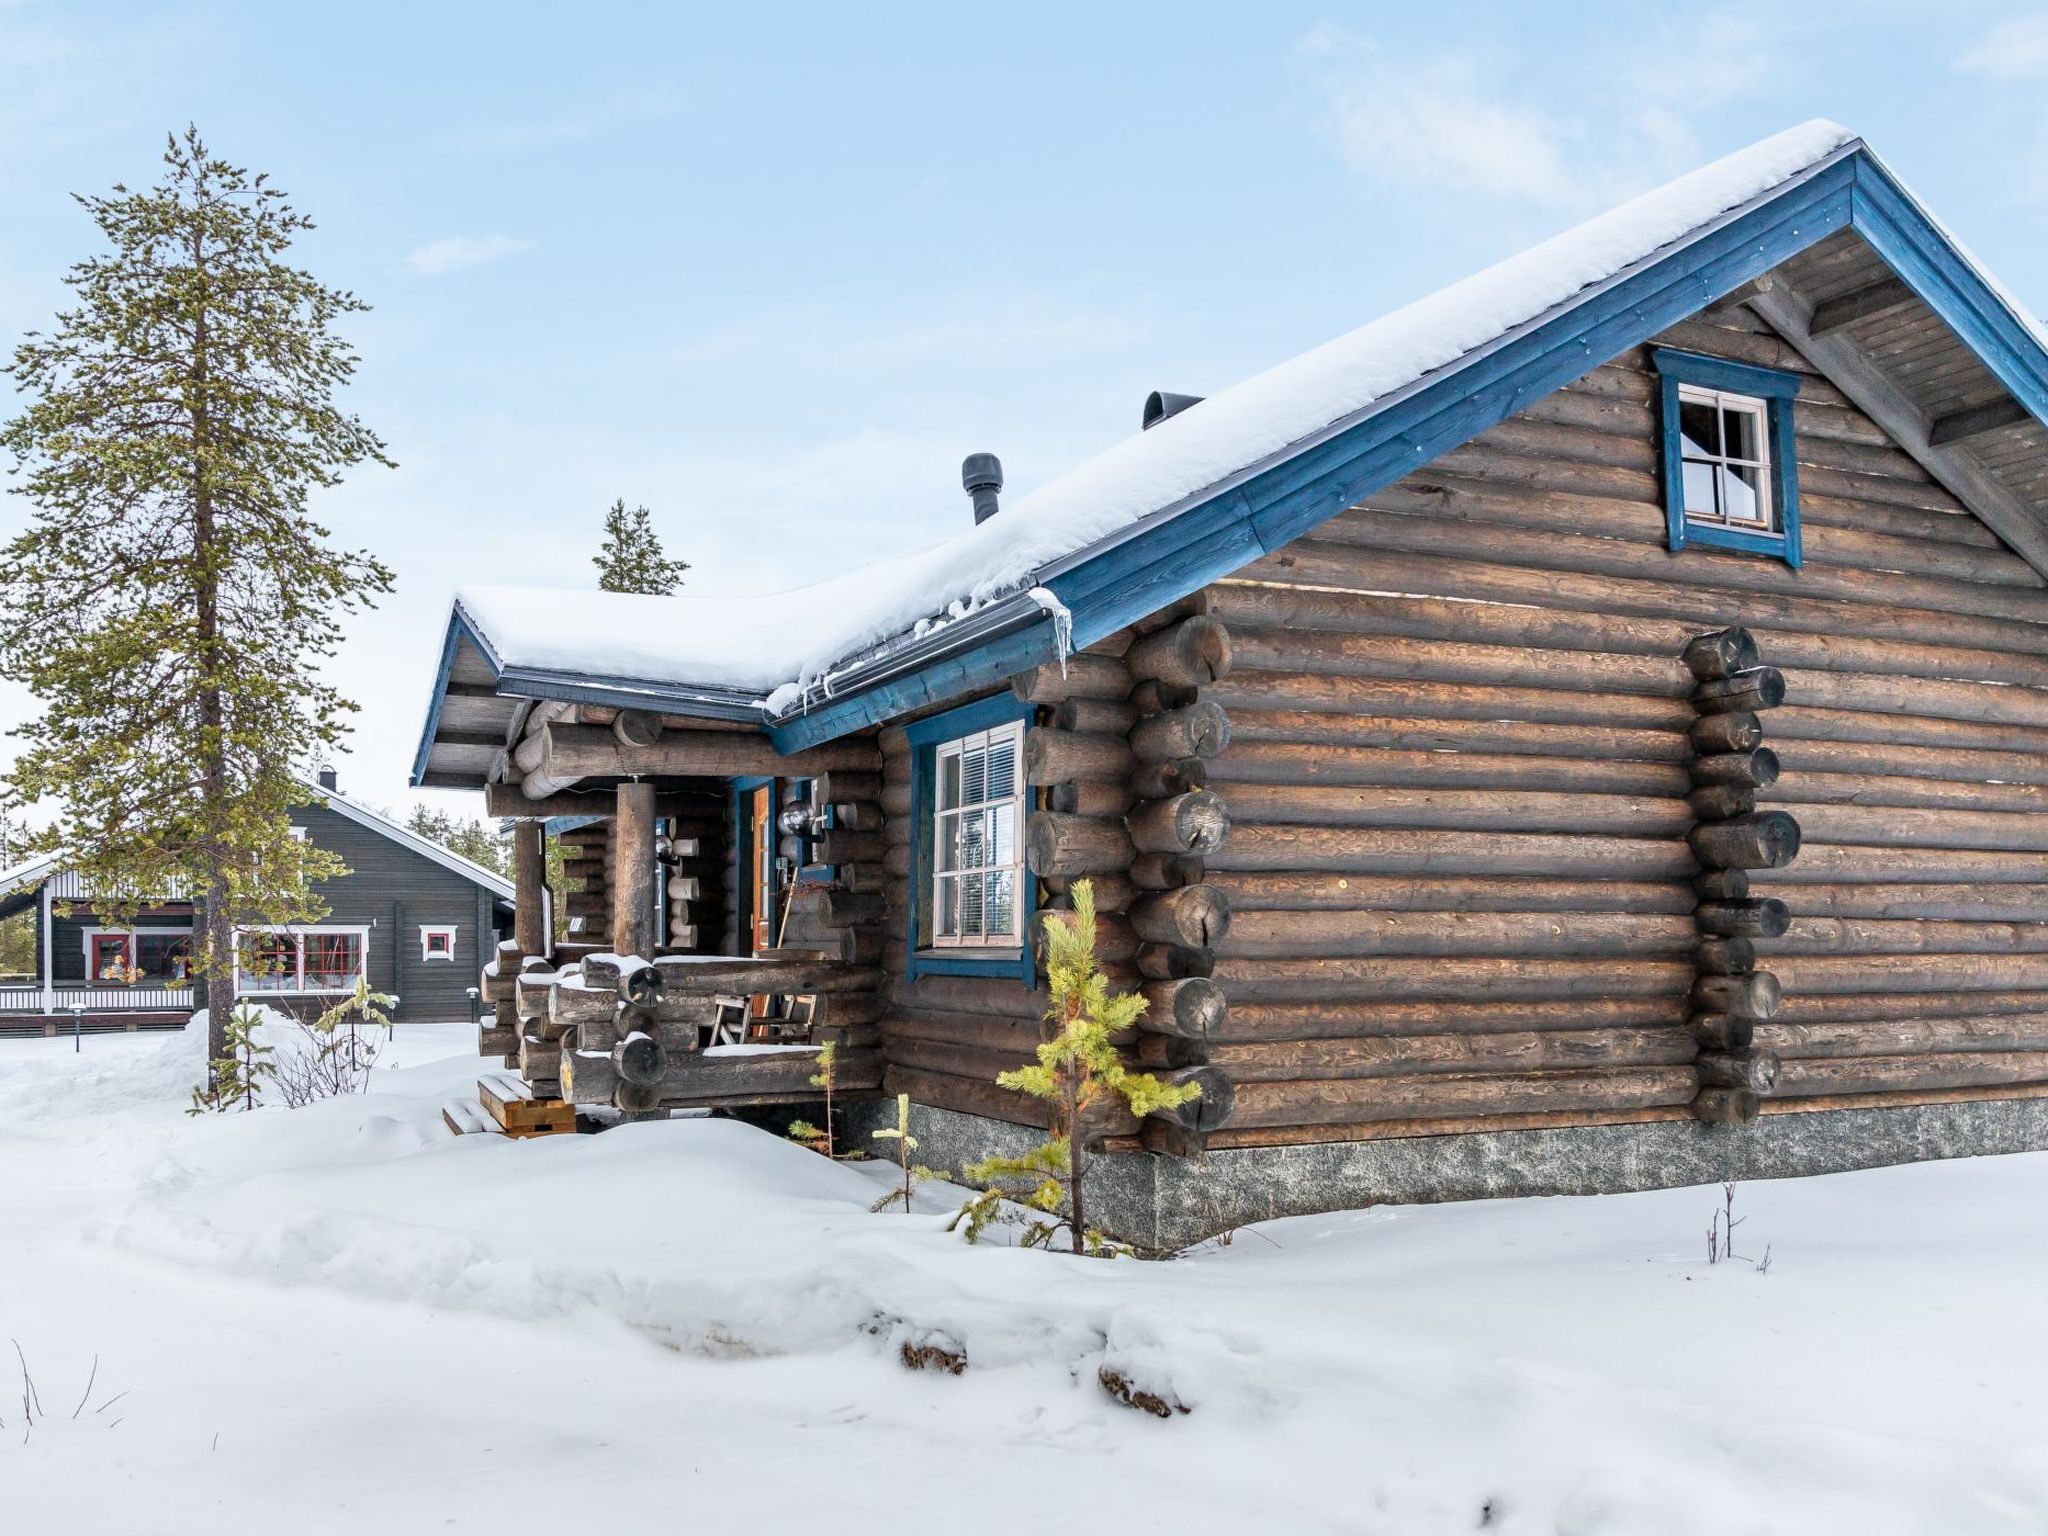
<point x="1459" y="769"/>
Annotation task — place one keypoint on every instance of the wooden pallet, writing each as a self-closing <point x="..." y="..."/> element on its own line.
<point x="466" y="1119"/>
<point x="517" y="1112"/>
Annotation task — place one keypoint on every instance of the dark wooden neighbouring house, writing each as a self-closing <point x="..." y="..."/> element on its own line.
<point x="415" y="918"/>
<point x="1587" y="730"/>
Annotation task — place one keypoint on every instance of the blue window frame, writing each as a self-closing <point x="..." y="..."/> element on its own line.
<point x="1731" y="467"/>
<point x="930" y="741"/>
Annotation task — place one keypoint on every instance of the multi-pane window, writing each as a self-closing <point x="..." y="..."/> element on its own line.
<point x="310" y="960"/>
<point x="1730" y="437"/>
<point x="977" y="831"/>
<point x="1724" y="444"/>
<point x="164" y="956"/>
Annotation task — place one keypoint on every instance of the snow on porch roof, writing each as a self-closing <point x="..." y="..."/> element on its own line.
<point x="774" y="649"/>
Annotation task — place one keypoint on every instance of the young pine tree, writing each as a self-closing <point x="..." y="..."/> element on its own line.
<point x="1077" y="1069"/>
<point x="631" y="558"/>
<point x="171" y="599"/>
<point x="235" y="1078"/>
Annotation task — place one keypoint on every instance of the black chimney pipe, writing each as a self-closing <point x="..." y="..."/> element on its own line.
<point x="981" y="475"/>
<point x="1159" y="405"/>
<point x="327" y="778"/>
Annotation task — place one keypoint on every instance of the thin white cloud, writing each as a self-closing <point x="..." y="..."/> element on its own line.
<point x="2013" y="50"/>
<point x="1433" y="121"/>
<point x="1463" y="123"/>
<point x="452" y="253"/>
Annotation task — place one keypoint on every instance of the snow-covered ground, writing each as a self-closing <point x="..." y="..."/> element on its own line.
<point x="342" y="1319"/>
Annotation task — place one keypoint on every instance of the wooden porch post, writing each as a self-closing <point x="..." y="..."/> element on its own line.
<point x="632" y="871"/>
<point x="529" y="881"/>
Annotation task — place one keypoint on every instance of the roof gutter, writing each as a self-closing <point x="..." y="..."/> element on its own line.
<point x="1004" y="617"/>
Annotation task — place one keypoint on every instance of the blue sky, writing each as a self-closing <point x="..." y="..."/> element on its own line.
<point x="773" y="270"/>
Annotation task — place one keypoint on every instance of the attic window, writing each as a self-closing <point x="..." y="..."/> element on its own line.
<point x="1730" y="469"/>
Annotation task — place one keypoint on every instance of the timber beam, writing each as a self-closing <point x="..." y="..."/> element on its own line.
<point x="1974" y="420"/>
<point x="573" y="752"/>
<point x="502" y="800"/>
<point x="1880" y="398"/>
<point x="1880" y="298"/>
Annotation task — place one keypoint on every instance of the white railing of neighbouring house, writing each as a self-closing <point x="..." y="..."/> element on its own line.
<point x="68" y="885"/>
<point x="62" y="998"/>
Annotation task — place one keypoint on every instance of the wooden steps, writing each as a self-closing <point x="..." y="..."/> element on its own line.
<point x="516" y="1112"/>
<point x="466" y="1119"/>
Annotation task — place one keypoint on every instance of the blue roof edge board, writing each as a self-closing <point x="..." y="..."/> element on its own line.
<point x="1221" y="529"/>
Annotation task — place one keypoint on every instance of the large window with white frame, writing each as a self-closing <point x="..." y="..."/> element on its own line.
<point x="977" y="836"/>
<point x="300" y="960"/>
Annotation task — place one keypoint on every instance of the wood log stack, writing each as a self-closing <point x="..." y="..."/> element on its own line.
<point x="587" y="903"/>
<point x="1122" y="761"/>
<point x="497" y="1034"/>
<point x="695" y="892"/>
<point x="1730" y="838"/>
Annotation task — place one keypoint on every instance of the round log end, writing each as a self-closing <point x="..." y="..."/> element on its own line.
<point x="643" y="987"/>
<point x="636" y="1098"/>
<point x="1193" y="1008"/>
<point x="1726" y="1106"/>
<point x="640" y="1059"/>
<point x="1210" y="1109"/>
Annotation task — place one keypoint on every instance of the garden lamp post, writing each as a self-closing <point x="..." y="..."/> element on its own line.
<point x="474" y="994"/>
<point x="77" y="1028"/>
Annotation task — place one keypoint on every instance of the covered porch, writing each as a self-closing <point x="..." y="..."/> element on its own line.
<point x="134" y="974"/>
<point x="718" y="900"/>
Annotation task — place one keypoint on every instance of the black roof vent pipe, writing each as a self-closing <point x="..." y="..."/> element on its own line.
<point x="981" y="475"/>
<point x="1159" y="405"/>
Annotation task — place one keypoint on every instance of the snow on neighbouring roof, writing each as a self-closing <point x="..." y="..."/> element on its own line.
<point x="775" y="644"/>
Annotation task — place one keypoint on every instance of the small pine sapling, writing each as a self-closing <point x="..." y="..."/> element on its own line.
<point x="827" y="1079"/>
<point x="820" y="1139"/>
<point x="240" y="1074"/>
<point x="1077" y="1069"/>
<point x="913" y="1173"/>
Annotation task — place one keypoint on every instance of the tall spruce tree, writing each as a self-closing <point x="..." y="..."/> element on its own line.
<point x="631" y="558"/>
<point x="170" y="601"/>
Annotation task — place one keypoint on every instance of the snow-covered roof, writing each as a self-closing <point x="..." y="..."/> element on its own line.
<point x="426" y="847"/>
<point x="38" y="870"/>
<point x="774" y="645"/>
<point x="34" y="872"/>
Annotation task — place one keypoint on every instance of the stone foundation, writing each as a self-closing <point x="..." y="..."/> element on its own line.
<point x="1164" y="1203"/>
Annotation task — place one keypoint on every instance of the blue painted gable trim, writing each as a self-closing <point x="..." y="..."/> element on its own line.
<point x="1916" y="248"/>
<point x="925" y="737"/>
<point x="1778" y="390"/>
<point x="458" y="628"/>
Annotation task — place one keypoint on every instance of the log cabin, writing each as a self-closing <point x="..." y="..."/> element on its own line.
<point x="414" y="918"/>
<point x="1587" y="730"/>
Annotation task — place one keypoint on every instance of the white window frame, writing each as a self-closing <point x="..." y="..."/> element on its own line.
<point x="1771" y="527"/>
<point x="431" y="931"/>
<point x="300" y="932"/>
<point x="1011" y="733"/>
